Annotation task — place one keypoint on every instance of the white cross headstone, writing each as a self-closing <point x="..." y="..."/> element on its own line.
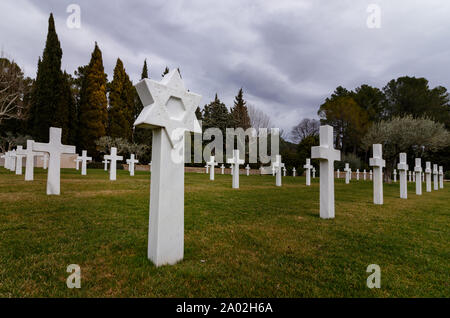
<point x="370" y="175"/>
<point x="105" y="162"/>
<point x="84" y="159"/>
<point x="378" y="163"/>
<point x="222" y="168"/>
<point x="395" y="175"/>
<point x="46" y="158"/>
<point x="169" y="109"/>
<point x="435" y="177"/>
<point x="409" y="176"/>
<point x="4" y="160"/>
<point x="150" y="165"/>
<point x="308" y="168"/>
<point x="29" y="163"/>
<point x="357" y="174"/>
<point x="423" y="176"/>
<point x="428" y="175"/>
<point x="364" y="175"/>
<point x="231" y="169"/>
<point x="277" y="165"/>
<point x="327" y="156"/>
<point x="402" y="167"/>
<point x="212" y="163"/>
<point x="418" y="173"/>
<point x="293" y="172"/>
<point x="20" y="154"/>
<point x="77" y="163"/>
<point x="274" y="170"/>
<point x="113" y="158"/>
<point x="55" y="150"/>
<point x="313" y="170"/>
<point x="131" y="163"/>
<point x="348" y="172"/>
<point x="12" y="161"/>
<point x="441" y="177"/>
<point x="338" y="174"/>
<point x="413" y="176"/>
<point x="235" y="161"/>
<point x="248" y="170"/>
<point x="206" y="167"/>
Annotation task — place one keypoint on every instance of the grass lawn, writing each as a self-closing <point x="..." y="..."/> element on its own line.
<point x="258" y="241"/>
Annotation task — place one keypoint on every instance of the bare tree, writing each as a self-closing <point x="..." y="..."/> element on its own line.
<point x="307" y="127"/>
<point x="13" y="89"/>
<point x="258" y="119"/>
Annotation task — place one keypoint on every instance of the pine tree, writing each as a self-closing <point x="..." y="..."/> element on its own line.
<point x="93" y="114"/>
<point x="216" y="115"/>
<point x="240" y="113"/>
<point x="141" y="135"/>
<point x="166" y="70"/>
<point x="144" y="73"/>
<point x="50" y="102"/>
<point x="121" y="104"/>
<point x="72" y="109"/>
<point x="198" y="113"/>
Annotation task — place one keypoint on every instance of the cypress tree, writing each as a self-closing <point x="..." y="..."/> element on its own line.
<point x="93" y="114"/>
<point x="141" y="135"/>
<point x="144" y="73"/>
<point x="239" y="112"/>
<point x="72" y="117"/>
<point x="50" y="103"/>
<point x="121" y="104"/>
<point x="166" y="70"/>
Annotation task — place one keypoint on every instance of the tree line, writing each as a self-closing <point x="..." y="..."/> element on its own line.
<point x="406" y="115"/>
<point x="95" y="113"/>
<point x="87" y="106"/>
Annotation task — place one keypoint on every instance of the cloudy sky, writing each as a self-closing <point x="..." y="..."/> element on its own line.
<point x="287" y="55"/>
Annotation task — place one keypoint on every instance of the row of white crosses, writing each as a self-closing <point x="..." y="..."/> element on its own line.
<point x="327" y="155"/>
<point x="54" y="148"/>
<point x="438" y="176"/>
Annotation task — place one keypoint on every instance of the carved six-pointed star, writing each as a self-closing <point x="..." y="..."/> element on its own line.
<point x="168" y="105"/>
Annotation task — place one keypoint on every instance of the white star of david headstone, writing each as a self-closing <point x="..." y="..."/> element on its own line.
<point x="169" y="109"/>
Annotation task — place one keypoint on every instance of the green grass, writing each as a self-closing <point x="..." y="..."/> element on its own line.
<point x="258" y="241"/>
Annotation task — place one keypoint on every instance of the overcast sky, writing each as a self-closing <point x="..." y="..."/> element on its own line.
<point x="287" y="55"/>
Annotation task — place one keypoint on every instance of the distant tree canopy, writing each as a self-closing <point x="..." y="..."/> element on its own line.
<point x="239" y="112"/>
<point x="88" y="108"/>
<point x="415" y="136"/>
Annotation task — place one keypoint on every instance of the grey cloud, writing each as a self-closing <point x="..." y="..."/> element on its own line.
<point x="288" y="55"/>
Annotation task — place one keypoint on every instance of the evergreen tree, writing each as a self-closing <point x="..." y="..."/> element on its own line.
<point x="50" y="102"/>
<point x="240" y="113"/>
<point x="142" y="135"/>
<point x="198" y="113"/>
<point x="216" y="115"/>
<point x="93" y="114"/>
<point x="166" y="70"/>
<point x="144" y="73"/>
<point x="69" y="99"/>
<point x="121" y="104"/>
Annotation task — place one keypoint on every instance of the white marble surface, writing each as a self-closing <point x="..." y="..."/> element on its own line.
<point x="169" y="109"/>
<point x="327" y="156"/>
<point x="54" y="148"/>
<point x="378" y="163"/>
